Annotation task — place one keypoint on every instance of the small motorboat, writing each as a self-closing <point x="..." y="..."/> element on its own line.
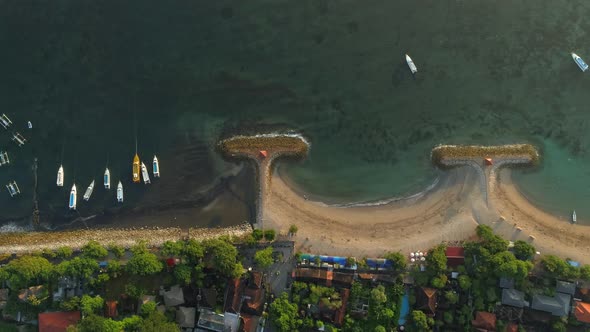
<point x="60" y="176"/>
<point x="30" y="125"/>
<point x="574" y="218"/>
<point x="144" y="174"/>
<point x="411" y="64"/>
<point x="5" y="121"/>
<point x="19" y="139"/>
<point x="583" y="66"/>
<point x="107" y="179"/>
<point x="73" y="197"/>
<point x="120" y="192"/>
<point x="4" y="158"/>
<point x="13" y="189"/>
<point x="156" y="167"/>
<point x="89" y="190"/>
<point x="136" y="171"/>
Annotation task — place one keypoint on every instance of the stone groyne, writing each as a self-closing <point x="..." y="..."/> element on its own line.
<point x="26" y="242"/>
<point x="263" y="149"/>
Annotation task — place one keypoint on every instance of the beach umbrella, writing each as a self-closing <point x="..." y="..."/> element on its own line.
<point x="411" y="254"/>
<point x="412" y="260"/>
<point x="423" y="258"/>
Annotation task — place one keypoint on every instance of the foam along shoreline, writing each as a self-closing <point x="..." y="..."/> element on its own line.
<point x="449" y="212"/>
<point x="26" y="242"/>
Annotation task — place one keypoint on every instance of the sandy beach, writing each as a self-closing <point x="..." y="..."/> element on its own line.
<point x="449" y="212"/>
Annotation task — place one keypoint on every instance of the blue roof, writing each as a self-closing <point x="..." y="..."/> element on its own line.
<point x="102" y="264"/>
<point x="574" y="264"/>
<point x="325" y="259"/>
<point x="379" y="263"/>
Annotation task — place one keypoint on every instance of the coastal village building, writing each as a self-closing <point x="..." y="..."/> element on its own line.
<point x="57" y="321"/>
<point x="582" y="312"/>
<point x="426" y="300"/>
<point x="174" y="296"/>
<point x="185" y="317"/>
<point x="455" y="256"/>
<point x="484" y="322"/>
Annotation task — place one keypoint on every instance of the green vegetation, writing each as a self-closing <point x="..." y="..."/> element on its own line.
<point x="117" y="250"/>
<point x="398" y="260"/>
<point x="63" y="252"/>
<point x="94" y="250"/>
<point x="293" y="229"/>
<point x="26" y="271"/>
<point x="269" y="234"/>
<point x="284" y="314"/>
<point x="444" y="152"/>
<point x="263" y="258"/>
<point x="223" y="255"/>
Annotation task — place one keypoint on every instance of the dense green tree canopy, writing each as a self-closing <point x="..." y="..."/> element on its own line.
<point x="420" y="321"/>
<point x="263" y="258"/>
<point x="172" y="248"/>
<point x="398" y="260"/>
<point x="493" y="243"/>
<point x="94" y="250"/>
<point x="221" y="255"/>
<point x="284" y="314"/>
<point x="117" y="250"/>
<point x="144" y="263"/>
<point x="78" y="267"/>
<point x="437" y="260"/>
<point x="183" y="274"/>
<point x="91" y="305"/>
<point x="26" y="270"/>
<point x="523" y="250"/>
<point x="194" y="251"/>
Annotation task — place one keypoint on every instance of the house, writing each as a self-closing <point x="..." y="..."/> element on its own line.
<point x="512" y="327"/>
<point x="514" y="298"/>
<point x="208" y="298"/>
<point x="323" y="276"/>
<point x="185" y="317"/>
<point x="582" y="312"/>
<point x="210" y="321"/>
<point x="111" y="309"/>
<point x="484" y="321"/>
<point x="254" y="295"/>
<point x="233" y="296"/>
<point x="335" y="316"/>
<point x="174" y="296"/>
<point x="506" y="282"/>
<point x="57" y="321"/>
<point x="249" y="323"/>
<point x="565" y="287"/>
<point x="455" y="256"/>
<point x="377" y="277"/>
<point x="559" y="305"/>
<point x="426" y="300"/>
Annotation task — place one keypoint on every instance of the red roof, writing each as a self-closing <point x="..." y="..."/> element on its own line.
<point x="485" y="321"/>
<point x="488" y="161"/>
<point x="263" y="153"/>
<point x="455" y="256"/>
<point x="111" y="311"/>
<point x="512" y="328"/>
<point x="57" y="321"/>
<point x="582" y="312"/>
<point x="170" y="262"/>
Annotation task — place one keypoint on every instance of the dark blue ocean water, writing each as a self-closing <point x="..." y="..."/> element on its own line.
<point x="94" y="77"/>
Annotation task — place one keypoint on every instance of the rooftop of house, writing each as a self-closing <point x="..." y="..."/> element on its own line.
<point x="426" y="300"/>
<point x="565" y="287"/>
<point x="582" y="312"/>
<point x="249" y="323"/>
<point x="506" y="282"/>
<point x="111" y="309"/>
<point x="559" y="305"/>
<point x="513" y="297"/>
<point x="57" y="321"/>
<point x="455" y="256"/>
<point x="174" y="296"/>
<point x="253" y="301"/>
<point x="233" y="296"/>
<point x="185" y="316"/>
<point x="485" y="321"/>
<point x="210" y="320"/>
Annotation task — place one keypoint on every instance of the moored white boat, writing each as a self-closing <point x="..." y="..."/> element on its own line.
<point x="60" y="176"/>
<point x="13" y="189"/>
<point x="574" y="217"/>
<point x="120" y="192"/>
<point x="156" y="167"/>
<point x="583" y="66"/>
<point x="89" y="191"/>
<point x="411" y="64"/>
<point x="73" y="197"/>
<point x="4" y="158"/>
<point x="107" y="179"/>
<point x="30" y="125"/>
<point x="144" y="174"/>
<point x="5" y="121"/>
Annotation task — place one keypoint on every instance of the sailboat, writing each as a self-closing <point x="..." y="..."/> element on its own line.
<point x="89" y="190"/>
<point x="120" y="192"/>
<point x="60" y="176"/>
<point x="107" y="179"/>
<point x="136" y="168"/>
<point x="144" y="174"/>
<point x="411" y="64"/>
<point x="73" y="197"/>
<point x="156" y="167"/>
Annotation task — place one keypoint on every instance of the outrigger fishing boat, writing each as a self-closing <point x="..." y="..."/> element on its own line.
<point x="574" y="218"/>
<point x="73" y="197"/>
<point x="411" y="64"/>
<point x="583" y="66"/>
<point x="89" y="190"/>
<point x="19" y="139"/>
<point x="120" y="192"/>
<point x="4" y="158"/>
<point x="107" y="179"/>
<point x="60" y="176"/>
<point x="136" y="169"/>
<point x="5" y="121"/>
<point x="156" y="167"/>
<point x="13" y="189"/>
<point x="144" y="174"/>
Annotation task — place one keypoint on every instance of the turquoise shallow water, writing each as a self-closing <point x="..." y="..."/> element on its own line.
<point x="90" y="75"/>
